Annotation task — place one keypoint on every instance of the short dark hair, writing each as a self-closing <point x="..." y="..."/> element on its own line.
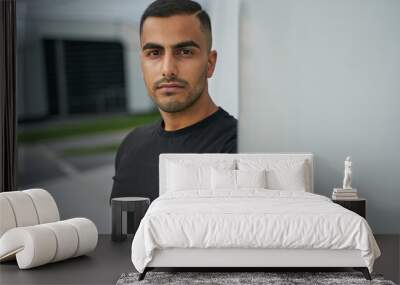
<point x="167" y="8"/>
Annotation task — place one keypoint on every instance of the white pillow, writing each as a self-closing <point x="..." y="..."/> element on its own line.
<point x="282" y="174"/>
<point x="251" y="178"/>
<point x="223" y="179"/>
<point x="236" y="179"/>
<point x="188" y="175"/>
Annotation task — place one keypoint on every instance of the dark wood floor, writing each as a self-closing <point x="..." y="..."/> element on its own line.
<point x="389" y="262"/>
<point x="110" y="260"/>
<point x="102" y="266"/>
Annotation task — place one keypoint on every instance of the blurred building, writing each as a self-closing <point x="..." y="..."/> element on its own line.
<point x="79" y="57"/>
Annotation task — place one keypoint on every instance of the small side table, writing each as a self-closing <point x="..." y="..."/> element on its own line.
<point x="135" y="207"/>
<point x="358" y="206"/>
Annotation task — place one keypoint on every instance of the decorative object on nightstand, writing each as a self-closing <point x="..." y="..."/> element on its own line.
<point x="347" y="173"/>
<point x="347" y="192"/>
<point x="358" y="205"/>
<point x="347" y="196"/>
<point x="135" y="207"/>
<point x="344" y="194"/>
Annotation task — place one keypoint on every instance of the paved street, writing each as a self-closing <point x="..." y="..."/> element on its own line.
<point x="42" y="162"/>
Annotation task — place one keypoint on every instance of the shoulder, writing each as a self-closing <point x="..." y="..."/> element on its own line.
<point x="227" y="132"/>
<point x="227" y="120"/>
<point x="138" y="134"/>
<point x="226" y="116"/>
<point x="143" y="130"/>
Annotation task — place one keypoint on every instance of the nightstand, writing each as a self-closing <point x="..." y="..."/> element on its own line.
<point x="135" y="207"/>
<point x="358" y="206"/>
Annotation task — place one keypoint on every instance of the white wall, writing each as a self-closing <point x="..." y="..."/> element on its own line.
<point x="323" y="77"/>
<point x="224" y="85"/>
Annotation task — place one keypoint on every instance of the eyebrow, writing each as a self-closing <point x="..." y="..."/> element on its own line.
<point x="186" y="44"/>
<point x="178" y="45"/>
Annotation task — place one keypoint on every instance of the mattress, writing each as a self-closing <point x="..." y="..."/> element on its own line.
<point x="250" y="218"/>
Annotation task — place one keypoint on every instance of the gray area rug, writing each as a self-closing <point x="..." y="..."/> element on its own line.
<point x="229" y="278"/>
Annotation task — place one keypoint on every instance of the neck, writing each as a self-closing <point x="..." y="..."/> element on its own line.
<point x="200" y="110"/>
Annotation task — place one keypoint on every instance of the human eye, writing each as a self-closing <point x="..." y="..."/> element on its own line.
<point x="152" y="53"/>
<point x="185" y="52"/>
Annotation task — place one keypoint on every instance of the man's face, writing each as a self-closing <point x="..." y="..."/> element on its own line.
<point x="175" y="61"/>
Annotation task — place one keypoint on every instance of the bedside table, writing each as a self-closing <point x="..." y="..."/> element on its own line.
<point x="358" y="206"/>
<point x="135" y="207"/>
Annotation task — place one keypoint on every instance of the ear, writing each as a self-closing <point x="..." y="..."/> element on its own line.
<point x="212" y="61"/>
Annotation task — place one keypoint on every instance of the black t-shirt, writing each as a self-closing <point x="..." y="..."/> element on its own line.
<point x="136" y="162"/>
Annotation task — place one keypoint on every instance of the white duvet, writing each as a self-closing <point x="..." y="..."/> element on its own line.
<point x="251" y="218"/>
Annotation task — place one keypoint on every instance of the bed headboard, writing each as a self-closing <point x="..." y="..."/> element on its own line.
<point x="164" y="157"/>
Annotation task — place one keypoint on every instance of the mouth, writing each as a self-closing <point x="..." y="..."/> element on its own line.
<point x="170" y="87"/>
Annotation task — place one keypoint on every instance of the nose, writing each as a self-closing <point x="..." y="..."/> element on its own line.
<point x="169" y="68"/>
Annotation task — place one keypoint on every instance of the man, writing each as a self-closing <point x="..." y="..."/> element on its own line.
<point x="176" y="62"/>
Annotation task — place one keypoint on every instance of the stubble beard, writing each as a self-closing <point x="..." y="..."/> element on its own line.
<point x="176" y="106"/>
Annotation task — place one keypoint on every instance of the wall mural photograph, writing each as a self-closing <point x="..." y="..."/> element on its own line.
<point x="199" y="141"/>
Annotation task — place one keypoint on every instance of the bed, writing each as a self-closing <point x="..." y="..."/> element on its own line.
<point x="244" y="211"/>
